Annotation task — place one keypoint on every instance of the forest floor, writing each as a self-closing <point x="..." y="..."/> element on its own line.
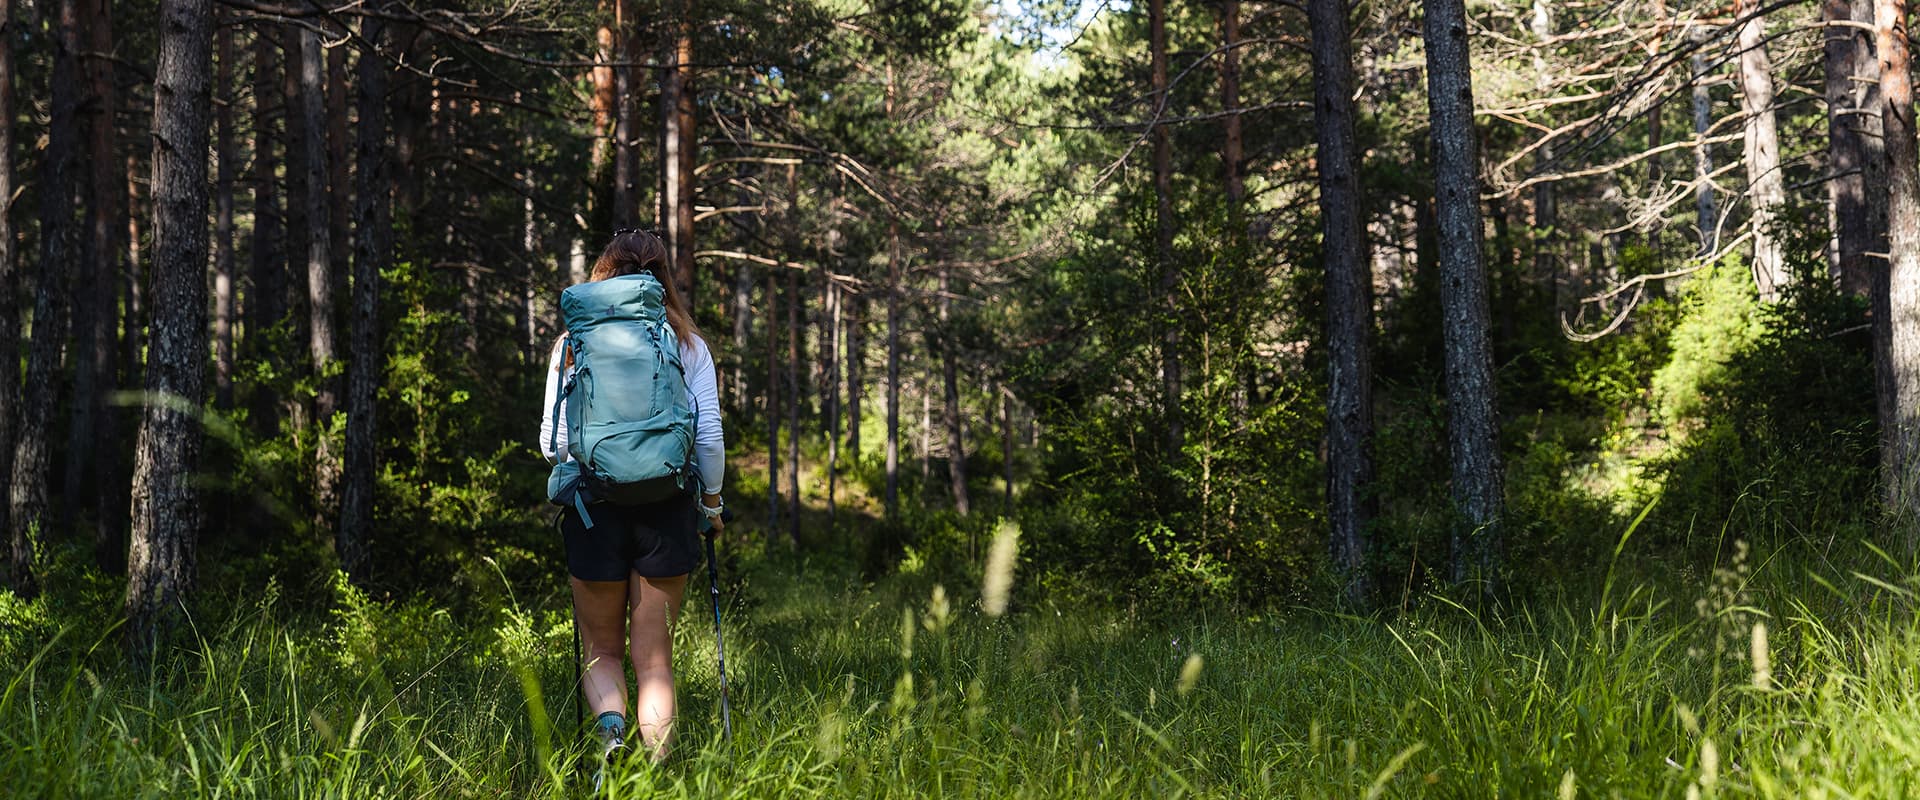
<point x="847" y="688"/>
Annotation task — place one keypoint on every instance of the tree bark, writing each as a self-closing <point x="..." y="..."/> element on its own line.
<point x="1898" y="329"/>
<point x="1472" y="426"/>
<point x="1546" y="203"/>
<point x="773" y="410"/>
<point x="373" y="252"/>
<point x="1766" y="187"/>
<point x="1006" y="449"/>
<point x="625" y="167"/>
<point x="339" y="178"/>
<point x="96" y="308"/>
<point x="1706" y="212"/>
<point x="265" y="299"/>
<point x="32" y="457"/>
<point x="226" y="165"/>
<point x="1231" y="152"/>
<point x="830" y="359"/>
<point x="893" y="370"/>
<point x="1163" y="231"/>
<point x="9" y="290"/>
<point x="793" y="406"/>
<point x="1349" y="303"/>
<point x="600" y="153"/>
<point x="956" y="438"/>
<point x="1854" y="144"/>
<point x="856" y="370"/>
<point x="299" y="209"/>
<point x="678" y="144"/>
<point x="166" y="512"/>
<point x="320" y="279"/>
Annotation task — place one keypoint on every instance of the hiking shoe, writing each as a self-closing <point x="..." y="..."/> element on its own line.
<point x="611" y="729"/>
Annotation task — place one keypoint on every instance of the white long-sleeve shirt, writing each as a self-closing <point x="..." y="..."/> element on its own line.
<point x="703" y="396"/>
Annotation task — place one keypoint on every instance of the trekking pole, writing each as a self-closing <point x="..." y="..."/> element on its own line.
<point x="719" y="645"/>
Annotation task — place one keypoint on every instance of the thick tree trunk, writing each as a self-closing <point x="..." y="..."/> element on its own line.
<point x="600" y="153"/>
<point x="677" y="150"/>
<point x="339" y="176"/>
<point x="299" y="210"/>
<point x="373" y="252"/>
<point x="96" y="309"/>
<point x="265" y="297"/>
<point x="1472" y="426"/>
<point x="32" y="457"/>
<point x="1766" y="187"/>
<point x="1706" y="212"/>
<point x="1163" y="231"/>
<point x="950" y="381"/>
<point x="9" y="290"/>
<point x="1854" y="145"/>
<point x="1898" y="329"/>
<point x="166" y="512"/>
<point x="893" y="370"/>
<point x="226" y="165"/>
<point x="1231" y="152"/>
<point x="1349" y="303"/>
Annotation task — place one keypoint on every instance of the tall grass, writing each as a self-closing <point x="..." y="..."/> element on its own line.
<point x="905" y="689"/>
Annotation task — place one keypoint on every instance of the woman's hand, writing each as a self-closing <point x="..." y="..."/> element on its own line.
<point x="714" y="521"/>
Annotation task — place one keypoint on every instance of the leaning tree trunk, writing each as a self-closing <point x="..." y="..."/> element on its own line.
<point x="1854" y="145"/>
<point x="166" y="508"/>
<point x="1897" y="339"/>
<point x="27" y="490"/>
<point x="1765" y="185"/>
<point x="1471" y="424"/>
<point x="373" y="252"/>
<point x="1349" y="303"/>
<point x="1163" y="231"/>
<point x="9" y="292"/>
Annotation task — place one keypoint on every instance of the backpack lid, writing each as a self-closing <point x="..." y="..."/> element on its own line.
<point x="624" y="298"/>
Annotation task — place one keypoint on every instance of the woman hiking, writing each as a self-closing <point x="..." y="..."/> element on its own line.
<point x="628" y="555"/>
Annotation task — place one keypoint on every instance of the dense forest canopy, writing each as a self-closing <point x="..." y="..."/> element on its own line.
<point x="1249" y="301"/>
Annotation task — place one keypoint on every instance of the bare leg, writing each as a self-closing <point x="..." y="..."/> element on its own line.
<point x="600" y="608"/>
<point x="656" y="604"/>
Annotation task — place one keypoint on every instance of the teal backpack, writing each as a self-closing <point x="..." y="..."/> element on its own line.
<point x="629" y="428"/>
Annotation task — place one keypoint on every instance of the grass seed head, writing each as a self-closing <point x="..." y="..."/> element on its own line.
<point x="1762" y="658"/>
<point x="998" y="583"/>
<point x="1189" y="674"/>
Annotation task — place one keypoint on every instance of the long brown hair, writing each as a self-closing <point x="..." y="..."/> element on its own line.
<point x="633" y="252"/>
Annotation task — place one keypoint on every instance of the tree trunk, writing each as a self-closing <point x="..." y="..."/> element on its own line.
<point x="1898" y="329"/>
<point x="1231" y="155"/>
<point x="856" y="370"/>
<point x="166" y="513"/>
<point x="1765" y="185"/>
<point x="1546" y="204"/>
<point x="320" y="337"/>
<point x="893" y="370"/>
<point x="830" y="359"/>
<point x="265" y="299"/>
<point x="339" y="178"/>
<point x="773" y="410"/>
<point x="32" y="457"/>
<point x="96" y="308"/>
<point x="1854" y="145"/>
<point x="1006" y="449"/>
<point x="373" y="252"/>
<point x="678" y="144"/>
<point x="1706" y="214"/>
<point x="227" y="163"/>
<point x="1472" y="426"/>
<point x="1163" y="231"/>
<point x="600" y="153"/>
<point x="299" y="209"/>
<point x="793" y="407"/>
<point x="1349" y="303"/>
<point x="956" y="438"/>
<point x="625" y="204"/>
<point x="9" y="291"/>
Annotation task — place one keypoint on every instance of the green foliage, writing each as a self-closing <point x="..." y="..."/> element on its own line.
<point x="1719" y="317"/>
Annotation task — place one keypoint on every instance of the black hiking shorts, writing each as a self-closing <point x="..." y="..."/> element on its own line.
<point x="658" y="540"/>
